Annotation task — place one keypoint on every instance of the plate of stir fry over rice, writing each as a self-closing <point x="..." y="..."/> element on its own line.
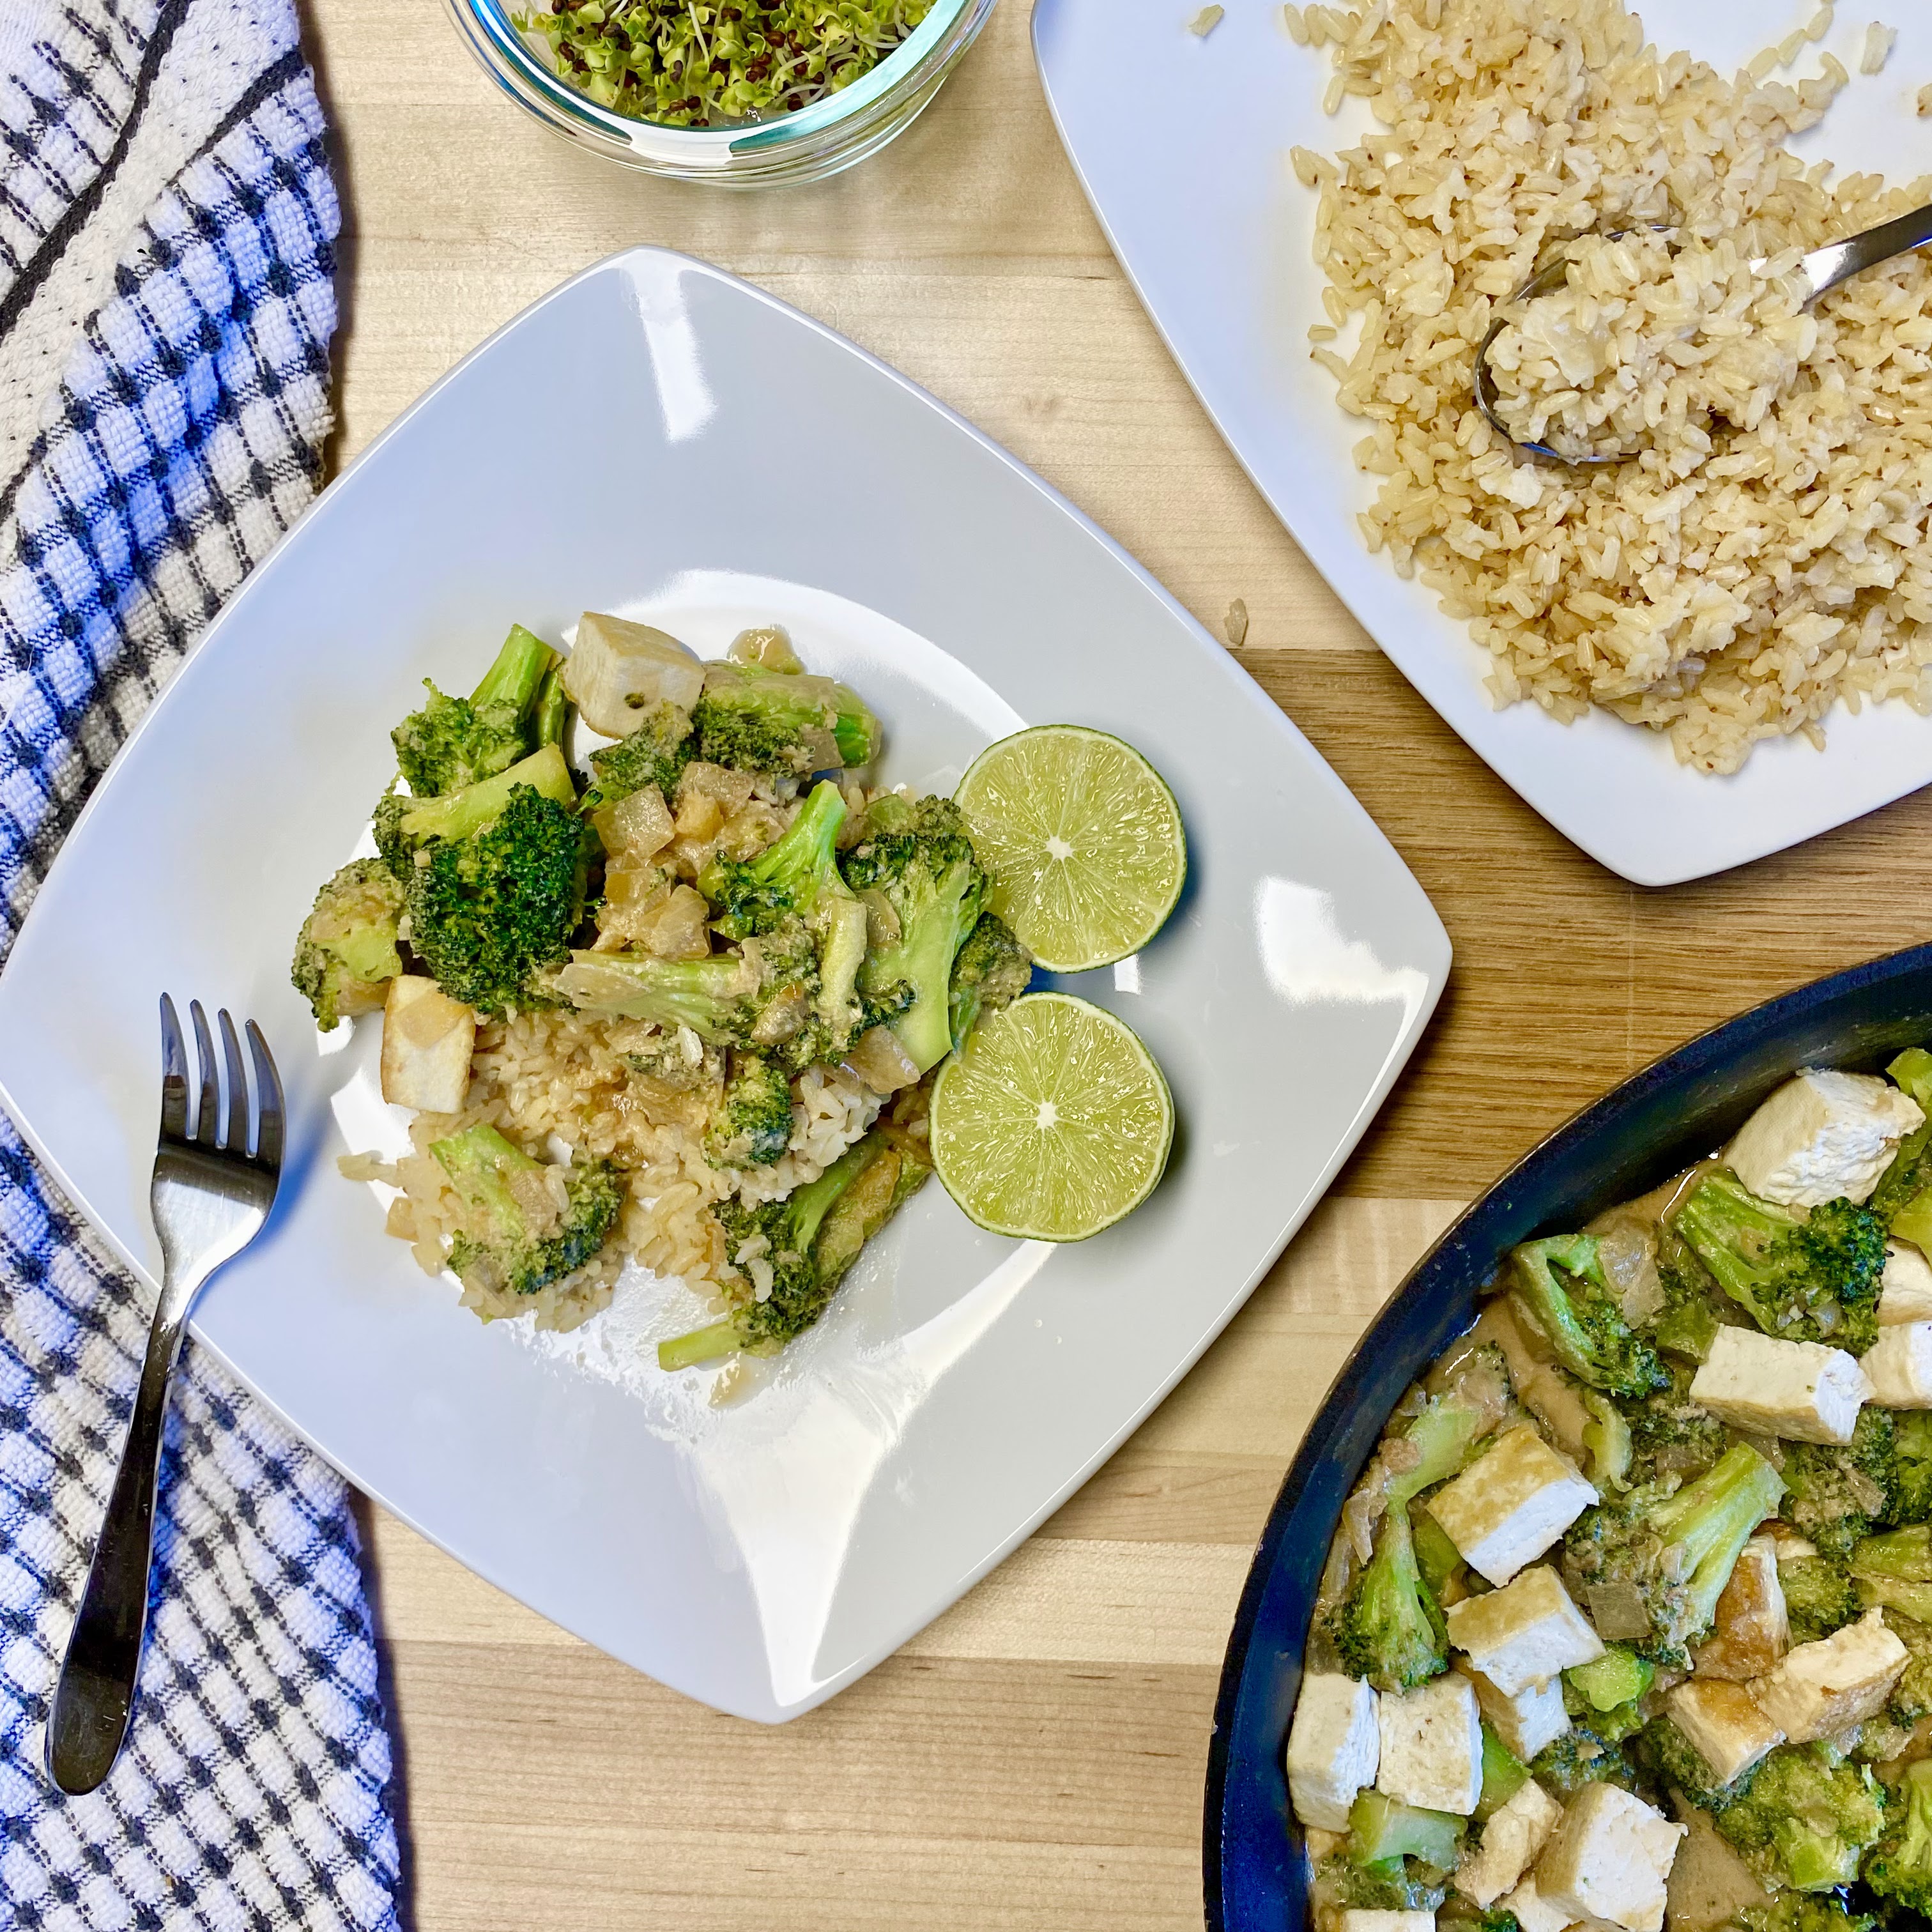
<point x="831" y="998"/>
<point x="716" y="970"/>
<point x="1716" y="644"/>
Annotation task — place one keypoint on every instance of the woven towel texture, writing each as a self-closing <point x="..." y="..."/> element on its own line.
<point x="166" y="304"/>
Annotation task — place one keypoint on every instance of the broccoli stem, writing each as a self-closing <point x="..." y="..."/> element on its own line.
<point x="700" y="1345"/>
<point x="521" y="667"/>
<point x="1707" y="1523"/>
<point x="552" y="712"/>
<point x="458" y="815"/>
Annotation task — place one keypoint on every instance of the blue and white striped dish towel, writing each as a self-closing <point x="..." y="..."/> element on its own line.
<point x="167" y="221"/>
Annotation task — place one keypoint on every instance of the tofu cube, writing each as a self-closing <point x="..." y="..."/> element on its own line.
<point x="1511" y="1840"/>
<point x="1533" y="1718"/>
<point x="1801" y="1390"/>
<point x="1822" y="1689"/>
<point x="1532" y="1911"/>
<point x="1729" y="1730"/>
<point x="427" y="1039"/>
<point x="618" y="670"/>
<point x="1388" y="1921"/>
<point x="1610" y="1859"/>
<point x="1751" y="1630"/>
<point x="1511" y="1504"/>
<point x="1525" y="1634"/>
<point x="1898" y="1365"/>
<point x="1432" y="1745"/>
<point x="1906" y="1293"/>
<point x="1332" y="1748"/>
<point x="1822" y="1134"/>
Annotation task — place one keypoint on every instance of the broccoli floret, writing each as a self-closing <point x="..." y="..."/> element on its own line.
<point x="1688" y="1322"/>
<point x="1819" y="1596"/>
<point x="809" y="1241"/>
<point x="923" y="891"/>
<point x="454" y="741"/>
<point x="1900" y="1868"/>
<point x="1678" y="1548"/>
<point x="1909" y="1176"/>
<point x="1673" y="1760"/>
<point x="1805" y="1818"/>
<point x="1803" y="1912"/>
<point x="751" y="1125"/>
<point x="346" y="954"/>
<point x="1559" y="1283"/>
<point x="758" y="995"/>
<point x="655" y="754"/>
<point x="787" y="879"/>
<point x="1895" y="1570"/>
<point x="1389" y="1629"/>
<point x="527" y="1224"/>
<point x="1395" y="1885"/>
<point x="487" y="912"/>
<point x="756" y="720"/>
<point x="796" y="880"/>
<point x="1911" y="1697"/>
<point x="1912" y="1466"/>
<point x="1671" y="1435"/>
<point x="1802" y="1279"/>
<point x="1437" y="1441"/>
<point x="992" y="970"/>
<point x="1582" y="1757"/>
<point x="405" y="825"/>
<point x="1835" y="1493"/>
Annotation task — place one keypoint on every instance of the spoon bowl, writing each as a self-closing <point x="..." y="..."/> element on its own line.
<point x="1823" y="269"/>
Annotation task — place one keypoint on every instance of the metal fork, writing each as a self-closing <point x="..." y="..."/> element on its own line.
<point x="209" y="1198"/>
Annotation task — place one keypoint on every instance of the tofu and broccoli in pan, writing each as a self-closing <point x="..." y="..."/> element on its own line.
<point x="1629" y="1620"/>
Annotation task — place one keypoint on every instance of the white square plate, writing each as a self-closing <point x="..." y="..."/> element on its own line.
<point x="1199" y="202"/>
<point x="656" y="437"/>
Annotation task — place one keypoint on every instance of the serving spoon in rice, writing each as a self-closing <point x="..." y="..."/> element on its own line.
<point x="1823" y="269"/>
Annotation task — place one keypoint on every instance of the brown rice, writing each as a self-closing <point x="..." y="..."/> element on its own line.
<point x="1722" y="591"/>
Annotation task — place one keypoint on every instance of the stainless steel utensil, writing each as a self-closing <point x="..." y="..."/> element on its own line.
<point x="1823" y="268"/>
<point x="209" y="1198"/>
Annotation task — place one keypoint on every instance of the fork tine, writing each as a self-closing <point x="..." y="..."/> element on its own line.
<point x="235" y="1139"/>
<point x="268" y="1146"/>
<point x="174" y="1075"/>
<point x="210" y="1103"/>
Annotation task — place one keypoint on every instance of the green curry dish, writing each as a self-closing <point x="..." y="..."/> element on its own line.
<point x="700" y="63"/>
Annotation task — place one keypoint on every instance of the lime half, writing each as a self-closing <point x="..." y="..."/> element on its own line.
<point x="1083" y="840"/>
<point x="1053" y="1122"/>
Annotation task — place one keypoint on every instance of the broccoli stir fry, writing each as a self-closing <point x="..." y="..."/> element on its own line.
<point x="660" y="974"/>
<point x="1629" y="1621"/>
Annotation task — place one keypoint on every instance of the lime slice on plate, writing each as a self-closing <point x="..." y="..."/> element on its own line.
<point x="1052" y="1122"/>
<point x="1083" y="840"/>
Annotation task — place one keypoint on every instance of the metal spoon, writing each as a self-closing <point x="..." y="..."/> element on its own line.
<point x="1823" y="268"/>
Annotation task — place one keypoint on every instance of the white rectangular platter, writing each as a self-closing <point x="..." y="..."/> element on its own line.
<point x="1181" y="143"/>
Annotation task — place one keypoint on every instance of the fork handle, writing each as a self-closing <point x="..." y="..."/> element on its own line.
<point x="95" y="1697"/>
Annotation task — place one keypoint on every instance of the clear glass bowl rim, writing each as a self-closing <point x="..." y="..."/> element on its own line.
<point x="902" y="65"/>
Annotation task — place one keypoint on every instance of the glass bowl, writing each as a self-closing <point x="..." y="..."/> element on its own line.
<point x="833" y="133"/>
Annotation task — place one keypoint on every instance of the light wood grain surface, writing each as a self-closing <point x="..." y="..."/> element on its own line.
<point x="1034" y="1759"/>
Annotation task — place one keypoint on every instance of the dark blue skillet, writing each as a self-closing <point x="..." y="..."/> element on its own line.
<point x="1677" y="1109"/>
